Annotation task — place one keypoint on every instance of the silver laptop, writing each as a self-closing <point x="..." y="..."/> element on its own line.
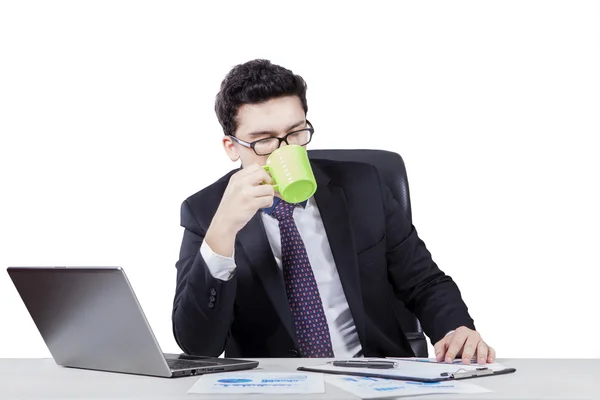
<point x="90" y="318"/>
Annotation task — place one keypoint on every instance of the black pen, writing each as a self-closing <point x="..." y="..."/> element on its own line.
<point x="365" y="364"/>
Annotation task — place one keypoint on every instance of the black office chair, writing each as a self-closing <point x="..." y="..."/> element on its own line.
<point x="391" y="166"/>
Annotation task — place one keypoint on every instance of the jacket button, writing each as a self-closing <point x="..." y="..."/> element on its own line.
<point x="295" y="353"/>
<point x="212" y="298"/>
<point x="213" y="292"/>
<point x="211" y="305"/>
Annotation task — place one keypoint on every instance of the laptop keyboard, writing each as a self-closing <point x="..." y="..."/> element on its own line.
<point x="184" y="364"/>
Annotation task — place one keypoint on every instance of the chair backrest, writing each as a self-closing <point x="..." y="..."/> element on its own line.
<point x="391" y="167"/>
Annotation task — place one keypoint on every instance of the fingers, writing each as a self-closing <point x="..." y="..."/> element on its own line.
<point x="262" y="202"/>
<point x="466" y="342"/>
<point x="261" y="196"/>
<point x="257" y="176"/>
<point x="491" y="355"/>
<point x="482" y="352"/>
<point x="440" y="349"/>
<point x="456" y="344"/>
<point x="249" y="169"/>
<point x="262" y="190"/>
<point x="471" y="346"/>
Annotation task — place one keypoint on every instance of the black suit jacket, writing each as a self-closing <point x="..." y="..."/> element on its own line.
<point x="376" y="251"/>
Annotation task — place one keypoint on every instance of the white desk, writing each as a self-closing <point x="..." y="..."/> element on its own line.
<point x="43" y="379"/>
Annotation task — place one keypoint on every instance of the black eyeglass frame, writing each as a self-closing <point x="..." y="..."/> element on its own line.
<point x="251" y="145"/>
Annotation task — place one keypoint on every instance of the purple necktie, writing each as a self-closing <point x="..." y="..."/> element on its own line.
<point x="301" y="287"/>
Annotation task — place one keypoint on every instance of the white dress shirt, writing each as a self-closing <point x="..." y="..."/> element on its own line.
<point x="344" y="338"/>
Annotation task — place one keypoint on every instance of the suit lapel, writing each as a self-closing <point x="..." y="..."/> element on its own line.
<point x="333" y="208"/>
<point x="255" y="244"/>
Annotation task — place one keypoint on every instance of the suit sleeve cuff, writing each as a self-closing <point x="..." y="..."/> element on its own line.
<point x="220" y="267"/>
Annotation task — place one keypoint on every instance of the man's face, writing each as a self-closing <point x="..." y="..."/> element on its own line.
<point x="274" y="118"/>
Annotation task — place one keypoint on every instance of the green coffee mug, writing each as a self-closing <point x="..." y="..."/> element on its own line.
<point x="290" y="169"/>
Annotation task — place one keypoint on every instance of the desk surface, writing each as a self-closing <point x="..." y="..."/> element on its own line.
<point x="43" y="379"/>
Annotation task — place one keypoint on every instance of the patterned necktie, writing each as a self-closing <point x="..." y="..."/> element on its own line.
<point x="301" y="287"/>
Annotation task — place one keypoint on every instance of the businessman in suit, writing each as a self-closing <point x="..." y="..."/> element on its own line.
<point x="259" y="277"/>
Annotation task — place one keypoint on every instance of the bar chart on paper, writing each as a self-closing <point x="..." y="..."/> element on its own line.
<point x="371" y="388"/>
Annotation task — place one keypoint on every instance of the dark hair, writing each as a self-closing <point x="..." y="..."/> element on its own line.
<point x="255" y="82"/>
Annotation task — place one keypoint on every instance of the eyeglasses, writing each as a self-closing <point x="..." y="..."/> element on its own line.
<point x="266" y="146"/>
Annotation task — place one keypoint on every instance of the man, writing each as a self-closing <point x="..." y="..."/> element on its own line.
<point x="259" y="277"/>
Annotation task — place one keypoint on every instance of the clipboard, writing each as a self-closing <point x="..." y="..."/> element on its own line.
<point x="409" y="370"/>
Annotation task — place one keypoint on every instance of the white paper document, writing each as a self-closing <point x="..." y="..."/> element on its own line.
<point x="429" y="364"/>
<point x="371" y="388"/>
<point x="259" y="382"/>
<point x="409" y="368"/>
<point x="458" y="362"/>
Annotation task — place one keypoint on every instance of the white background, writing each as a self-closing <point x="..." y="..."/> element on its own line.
<point x="107" y="125"/>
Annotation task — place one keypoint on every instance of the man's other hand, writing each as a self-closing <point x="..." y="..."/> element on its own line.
<point x="467" y="344"/>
